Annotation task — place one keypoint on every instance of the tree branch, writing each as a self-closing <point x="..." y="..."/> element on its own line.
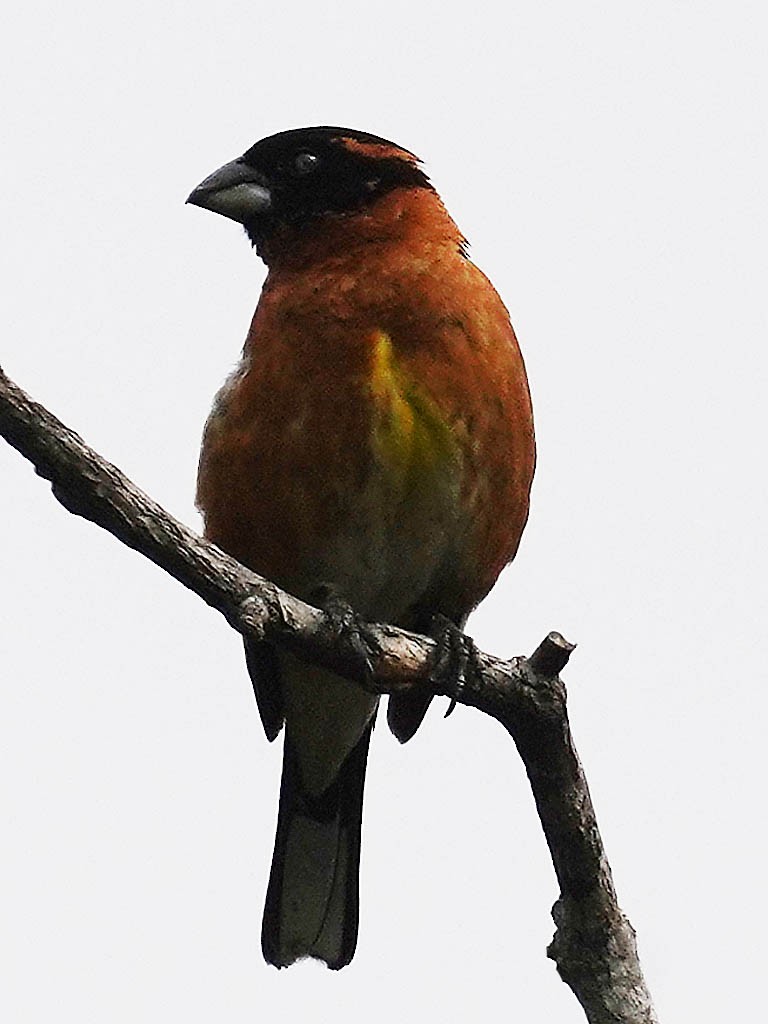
<point x="594" y="944"/>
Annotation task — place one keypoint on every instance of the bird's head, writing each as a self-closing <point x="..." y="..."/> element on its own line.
<point x="299" y="176"/>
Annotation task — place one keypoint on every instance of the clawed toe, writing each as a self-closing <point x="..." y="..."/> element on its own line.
<point x="455" y="660"/>
<point x="347" y="625"/>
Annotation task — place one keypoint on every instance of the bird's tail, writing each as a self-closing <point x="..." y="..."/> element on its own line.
<point x="312" y="898"/>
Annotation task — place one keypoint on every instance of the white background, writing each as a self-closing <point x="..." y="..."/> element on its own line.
<point x="608" y="164"/>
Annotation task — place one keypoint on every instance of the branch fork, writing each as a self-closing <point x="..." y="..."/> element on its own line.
<point x="594" y="944"/>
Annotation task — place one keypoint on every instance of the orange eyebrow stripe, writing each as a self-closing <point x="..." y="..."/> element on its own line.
<point x="377" y="150"/>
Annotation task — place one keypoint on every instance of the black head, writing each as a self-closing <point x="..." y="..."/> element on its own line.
<point x="300" y="175"/>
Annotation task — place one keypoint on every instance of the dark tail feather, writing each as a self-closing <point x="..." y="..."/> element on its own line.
<point x="312" y="898"/>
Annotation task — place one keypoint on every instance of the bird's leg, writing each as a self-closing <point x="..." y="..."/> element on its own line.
<point x="455" y="660"/>
<point x="348" y="626"/>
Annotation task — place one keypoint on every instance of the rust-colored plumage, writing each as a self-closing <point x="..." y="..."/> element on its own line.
<point x="376" y="437"/>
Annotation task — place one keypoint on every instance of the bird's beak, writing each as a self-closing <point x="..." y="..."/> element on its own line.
<point x="236" y="191"/>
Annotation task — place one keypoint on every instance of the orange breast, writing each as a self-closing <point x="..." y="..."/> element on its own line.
<point x="398" y="469"/>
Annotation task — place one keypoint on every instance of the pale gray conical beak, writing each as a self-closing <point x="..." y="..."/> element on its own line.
<point x="236" y="191"/>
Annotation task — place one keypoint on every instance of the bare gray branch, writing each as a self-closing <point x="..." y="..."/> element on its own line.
<point x="594" y="944"/>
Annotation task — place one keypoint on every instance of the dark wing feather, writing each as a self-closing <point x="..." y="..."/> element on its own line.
<point x="264" y="670"/>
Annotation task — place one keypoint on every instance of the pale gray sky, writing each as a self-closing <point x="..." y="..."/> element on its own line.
<point x="608" y="164"/>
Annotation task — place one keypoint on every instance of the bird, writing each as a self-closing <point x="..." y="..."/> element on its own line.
<point x="372" y="453"/>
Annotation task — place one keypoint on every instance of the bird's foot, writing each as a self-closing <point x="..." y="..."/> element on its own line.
<point x="348" y="626"/>
<point x="456" y="658"/>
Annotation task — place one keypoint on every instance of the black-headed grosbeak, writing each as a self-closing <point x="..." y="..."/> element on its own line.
<point x="376" y="439"/>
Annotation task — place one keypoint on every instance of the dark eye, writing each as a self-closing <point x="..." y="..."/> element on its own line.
<point x="305" y="163"/>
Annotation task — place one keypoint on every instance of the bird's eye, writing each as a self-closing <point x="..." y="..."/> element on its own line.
<point x="305" y="163"/>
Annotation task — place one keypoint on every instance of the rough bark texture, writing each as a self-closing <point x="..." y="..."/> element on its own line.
<point x="594" y="944"/>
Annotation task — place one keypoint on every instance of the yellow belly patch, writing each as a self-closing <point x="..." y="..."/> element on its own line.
<point x="410" y="434"/>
